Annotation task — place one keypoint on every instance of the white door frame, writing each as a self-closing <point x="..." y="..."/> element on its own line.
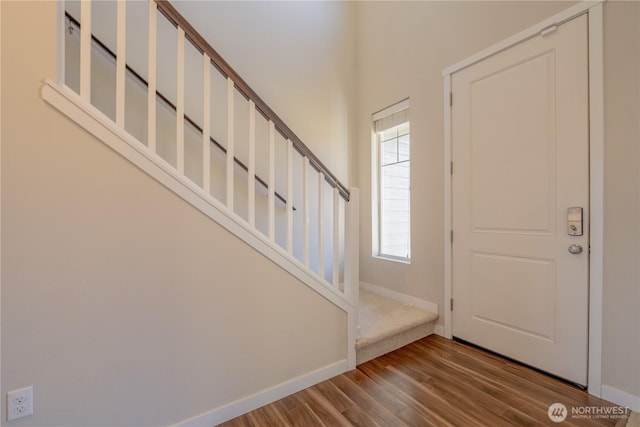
<point x="596" y="172"/>
<point x="1" y="412"/>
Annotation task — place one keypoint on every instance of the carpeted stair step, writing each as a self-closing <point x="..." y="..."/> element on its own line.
<point x="387" y="324"/>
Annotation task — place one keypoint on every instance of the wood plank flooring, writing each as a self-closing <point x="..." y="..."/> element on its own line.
<point x="432" y="382"/>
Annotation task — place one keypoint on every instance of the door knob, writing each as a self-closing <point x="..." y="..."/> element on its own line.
<point x="575" y="249"/>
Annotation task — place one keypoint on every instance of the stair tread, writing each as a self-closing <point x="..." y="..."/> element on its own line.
<point x="381" y="317"/>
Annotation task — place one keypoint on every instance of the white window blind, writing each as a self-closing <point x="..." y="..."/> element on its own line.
<point x="392" y="132"/>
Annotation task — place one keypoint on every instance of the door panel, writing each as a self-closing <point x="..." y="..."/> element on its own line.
<point x="522" y="196"/>
<point x="528" y="283"/>
<point x="520" y="148"/>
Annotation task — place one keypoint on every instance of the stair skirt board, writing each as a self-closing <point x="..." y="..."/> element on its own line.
<point x="392" y="343"/>
<point x="104" y="129"/>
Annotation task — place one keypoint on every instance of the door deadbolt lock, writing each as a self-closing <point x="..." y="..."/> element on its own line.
<point x="574" y="221"/>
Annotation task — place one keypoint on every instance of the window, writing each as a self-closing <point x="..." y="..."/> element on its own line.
<point x="391" y="177"/>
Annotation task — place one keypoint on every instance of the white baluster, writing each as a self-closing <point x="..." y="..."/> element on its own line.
<point x="230" y="142"/>
<point x="321" y="225"/>
<point x="85" y="50"/>
<point x="206" y="123"/>
<point x="151" y="94"/>
<point x="251" y="169"/>
<point x="121" y="61"/>
<point x="336" y="237"/>
<point x="271" y="201"/>
<point x="305" y="208"/>
<point x="180" y="102"/>
<point x="289" y="196"/>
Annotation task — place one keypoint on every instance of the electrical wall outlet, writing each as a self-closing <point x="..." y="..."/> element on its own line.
<point x="19" y="403"/>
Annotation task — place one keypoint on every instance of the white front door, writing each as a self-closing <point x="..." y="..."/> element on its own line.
<point x="520" y="139"/>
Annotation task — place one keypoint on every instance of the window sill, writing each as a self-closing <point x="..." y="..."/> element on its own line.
<point x="393" y="259"/>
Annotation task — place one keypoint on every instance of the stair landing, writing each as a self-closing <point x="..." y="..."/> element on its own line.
<point x="387" y="324"/>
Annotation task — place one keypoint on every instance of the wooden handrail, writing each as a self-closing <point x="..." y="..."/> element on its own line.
<point x="171" y="105"/>
<point x="167" y="9"/>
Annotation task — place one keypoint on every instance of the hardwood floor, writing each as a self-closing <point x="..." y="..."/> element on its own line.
<point x="432" y="382"/>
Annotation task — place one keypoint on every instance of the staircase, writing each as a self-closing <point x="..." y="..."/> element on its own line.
<point x="217" y="144"/>
<point x="210" y="139"/>
<point x="387" y="324"/>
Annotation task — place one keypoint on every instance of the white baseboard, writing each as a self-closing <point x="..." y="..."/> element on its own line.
<point x="406" y="299"/>
<point x="438" y="330"/>
<point x="255" y="401"/>
<point x="621" y="398"/>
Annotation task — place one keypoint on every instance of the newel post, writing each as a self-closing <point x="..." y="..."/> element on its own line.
<point x="352" y="247"/>
<point x="352" y="269"/>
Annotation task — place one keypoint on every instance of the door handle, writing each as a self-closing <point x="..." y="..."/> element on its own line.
<point x="575" y="249"/>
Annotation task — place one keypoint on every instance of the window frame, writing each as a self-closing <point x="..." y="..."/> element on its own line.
<point x="376" y="187"/>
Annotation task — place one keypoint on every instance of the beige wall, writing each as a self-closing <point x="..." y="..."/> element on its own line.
<point x="121" y="304"/>
<point x="396" y="61"/>
<point x="621" y="305"/>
